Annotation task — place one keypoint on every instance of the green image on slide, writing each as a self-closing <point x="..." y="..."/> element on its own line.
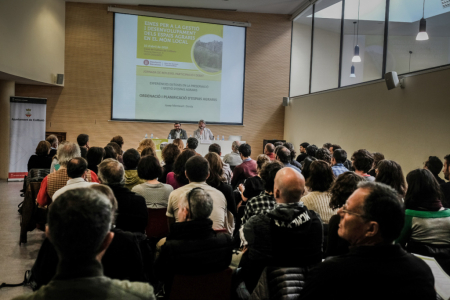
<point x="207" y="53"/>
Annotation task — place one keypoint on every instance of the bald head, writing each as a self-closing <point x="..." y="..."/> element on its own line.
<point x="289" y="186"/>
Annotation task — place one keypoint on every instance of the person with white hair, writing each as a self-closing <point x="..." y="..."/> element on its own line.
<point x="234" y="158"/>
<point x="203" y="133"/>
<point x="58" y="179"/>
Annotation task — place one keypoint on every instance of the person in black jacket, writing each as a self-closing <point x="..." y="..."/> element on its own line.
<point x="192" y="246"/>
<point x="132" y="209"/>
<point x="40" y="160"/>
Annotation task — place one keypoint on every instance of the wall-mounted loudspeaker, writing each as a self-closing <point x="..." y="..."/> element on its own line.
<point x="392" y="80"/>
<point x="285" y="101"/>
<point x="60" y="78"/>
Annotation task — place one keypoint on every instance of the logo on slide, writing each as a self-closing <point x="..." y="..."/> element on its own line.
<point x="28" y="113"/>
<point x="207" y="54"/>
<point x="146" y="62"/>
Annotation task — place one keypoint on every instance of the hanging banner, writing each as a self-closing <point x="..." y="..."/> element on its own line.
<point x="27" y="130"/>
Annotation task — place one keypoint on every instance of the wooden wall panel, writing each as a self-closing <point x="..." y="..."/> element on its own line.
<point x="84" y="104"/>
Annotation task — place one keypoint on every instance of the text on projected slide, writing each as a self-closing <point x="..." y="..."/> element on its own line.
<point x="179" y="69"/>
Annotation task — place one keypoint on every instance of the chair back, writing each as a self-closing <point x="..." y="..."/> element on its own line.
<point x="32" y="216"/>
<point x="215" y="286"/>
<point x="157" y="226"/>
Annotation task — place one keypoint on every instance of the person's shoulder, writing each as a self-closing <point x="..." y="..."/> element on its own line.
<point x="136" y="289"/>
<point x="167" y="187"/>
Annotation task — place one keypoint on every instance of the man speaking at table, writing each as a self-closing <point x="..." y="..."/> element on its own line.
<point x="203" y="133"/>
<point x="177" y="132"/>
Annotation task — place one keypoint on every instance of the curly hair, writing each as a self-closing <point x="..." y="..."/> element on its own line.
<point x="324" y="154"/>
<point x="215" y="169"/>
<point x="118" y="140"/>
<point x="321" y="176"/>
<point x="146" y="143"/>
<point x="390" y="173"/>
<point x="362" y="160"/>
<point x="179" y="143"/>
<point x="179" y="166"/>
<point x="343" y="187"/>
<point x="170" y="153"/>
<point x="268" y="173"/>
<point x="261" y="160"/>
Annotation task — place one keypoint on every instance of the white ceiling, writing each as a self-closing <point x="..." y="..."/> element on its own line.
<point x="256" y="6"/>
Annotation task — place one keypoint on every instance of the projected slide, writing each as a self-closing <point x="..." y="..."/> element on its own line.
<point x="174" y="70"/>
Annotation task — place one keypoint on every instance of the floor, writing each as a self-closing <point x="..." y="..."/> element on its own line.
<point x="14" y="259"/>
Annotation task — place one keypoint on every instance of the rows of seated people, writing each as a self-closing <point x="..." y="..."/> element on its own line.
<point x="273" y="220"/>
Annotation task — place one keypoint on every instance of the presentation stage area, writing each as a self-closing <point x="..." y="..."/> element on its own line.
<point x="175" y="70"/>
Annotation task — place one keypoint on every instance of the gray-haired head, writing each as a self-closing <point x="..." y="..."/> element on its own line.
<point x="235" y="146"/>
<point x="78" y="223"/>
<point x="66" y="151"/>
<point x="111" y="172"/>
<point x="199" y="203"/>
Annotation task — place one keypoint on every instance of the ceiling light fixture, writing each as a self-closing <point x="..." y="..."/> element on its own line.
<point x="422" y="35"/>
<point x="356" y="57"/>
<point x="352" y="72"/>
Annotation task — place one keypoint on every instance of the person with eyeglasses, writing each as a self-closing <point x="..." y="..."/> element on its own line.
<point x="375" y="267"/>
<point x="192" y="246"/>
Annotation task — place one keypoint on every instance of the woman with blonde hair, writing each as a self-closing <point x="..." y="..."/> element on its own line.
<point x="179" y="143"/>
<point x="146" y="143"/>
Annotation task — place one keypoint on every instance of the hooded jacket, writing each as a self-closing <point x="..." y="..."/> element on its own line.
<point x="132" y="179"/>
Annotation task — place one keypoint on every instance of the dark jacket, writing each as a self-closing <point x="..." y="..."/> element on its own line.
<point x="183" y="134"/>
<point x="288" y="236"/>
<point x="193" y="248"/>
<point x="83" y="151"/>
<point x="336" y="245"/>
<point x="227" y="191"/>
<point x="371" y="272"/>
<point x="445" y="187"/>
<point x="132" y="212"/>
<point x="166" y="169"/>
<point x="39" y="162"/>
<point x="301" y="157"/>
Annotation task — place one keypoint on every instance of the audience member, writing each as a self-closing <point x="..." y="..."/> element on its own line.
<point x="132" y="209"/>
<point x="146" y="143"/>
<point x="311" y="156"/>
<point x="327" y="146"/>
<point x="40" y="160"/>
<point x="253" y="186"/>
<point x="265" y="201"/>
<point x="179" y="143"/>
<point x="227" y="173"/>
<point x="362" y="161"/>
<point x="94" y="157"/>
<point x="434" y="165"/>
<point x="319" y="183"/>
<point x="337" y="162"/>
<point x="340" y="191"/>
<point x="324" y="154"/>
<point x="203" y="133"/>
<point x="371" y="220"/>
<point x="131" y="159"/>
<point x="80" y="273"/>
<point x="292" y="161"/>
<point x="192" y="247"/>
<point x="347" y="163"/>
<point x="333" y="148"/>
<point x="234" y="158"/>
<point x="445" y="187"/>
<point x="177" y="132"/>
<point x="118" y="151"/>
<point x="279" y="143"/>
<point x="169" y="154"/>
<point x="148" y="151"/>
<point x="192" y="143"/>
<point x="377" y="158"/>
<point x="118" y="140"/>
<point x="269" y="150"/>
<point x="83" y="142"/>
<point x="284" y="156"/>
<point x="110" y="153"/>
<point x="426" y="229"/>
<point x="216" y="180"/>
<point x="197" y="171"/>
<point x="302" y="154"/>
<point x="53" y="140"/>
<point x="288" y="236"/>
<point x="56" y="180"/>
<point x="389" y="172"/>
<point x="76" y="171"/>
<point x="156" y="194"/>
<point x="246" y="169"/>
<point x="177" y="178"/>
